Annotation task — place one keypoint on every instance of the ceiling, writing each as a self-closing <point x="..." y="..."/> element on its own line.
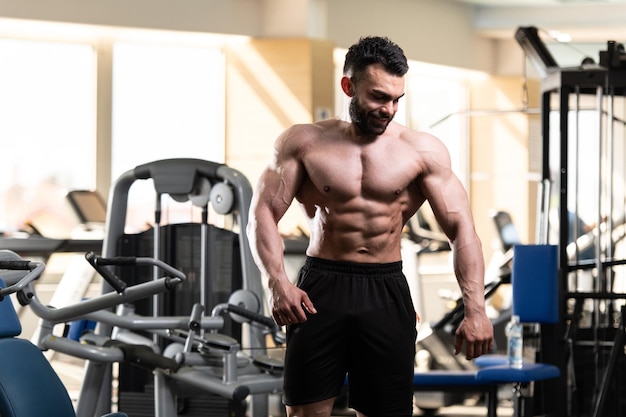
<point x="584" y="20"/>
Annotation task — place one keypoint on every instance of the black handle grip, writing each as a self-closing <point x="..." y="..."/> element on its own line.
<point x="117" y="261"/>
<point x="16" y="265"/>
<point x="113" y="280"/>
<point x="259" y="318"/>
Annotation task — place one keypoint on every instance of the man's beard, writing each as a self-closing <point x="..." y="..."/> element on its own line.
<point x="364" y="120"/>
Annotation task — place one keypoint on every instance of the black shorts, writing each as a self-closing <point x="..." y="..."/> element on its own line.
<point x="364" y="327"/>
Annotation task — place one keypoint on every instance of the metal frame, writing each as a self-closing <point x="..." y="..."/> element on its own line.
<point x="179" y="177"/>
<point x="559" y="341"/>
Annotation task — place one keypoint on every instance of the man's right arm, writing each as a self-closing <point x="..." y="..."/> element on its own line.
<point x="275" y="191"/>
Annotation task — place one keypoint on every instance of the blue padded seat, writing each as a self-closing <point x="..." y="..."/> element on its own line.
<point x="529" y="372"/>
<point x="490" y="374"/>
<point x="28" y="384"/>
<point x="9" y="323"/>
<point x="493" y="359"/>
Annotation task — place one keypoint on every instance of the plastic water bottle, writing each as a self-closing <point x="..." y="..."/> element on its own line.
<point x="515" y="342"/>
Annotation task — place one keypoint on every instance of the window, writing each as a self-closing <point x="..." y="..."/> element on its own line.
<point x="47" y="127"/>
<point x="430" y="101"/>
<point x="168" y="102"/>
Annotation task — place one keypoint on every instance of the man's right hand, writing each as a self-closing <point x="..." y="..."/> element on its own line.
<point x="289" y="304"/>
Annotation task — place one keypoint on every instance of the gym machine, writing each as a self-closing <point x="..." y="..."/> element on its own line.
<point x="583" y="112"/>
<point x="217" y="261"/>
<point x="206" y="365"/>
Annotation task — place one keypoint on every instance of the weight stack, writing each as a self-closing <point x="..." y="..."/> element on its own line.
<point x="180" y="245"/>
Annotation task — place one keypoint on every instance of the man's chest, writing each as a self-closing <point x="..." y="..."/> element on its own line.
<point x="376" y="172"/>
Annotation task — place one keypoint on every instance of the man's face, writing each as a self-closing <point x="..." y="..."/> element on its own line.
<point x="375" y="100"/>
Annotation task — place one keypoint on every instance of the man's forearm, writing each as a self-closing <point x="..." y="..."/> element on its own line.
<point x="470" y="272"/>
<point x="267" y="250"/>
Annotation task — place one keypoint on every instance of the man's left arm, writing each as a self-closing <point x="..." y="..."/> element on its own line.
<point x="450" y="205"/>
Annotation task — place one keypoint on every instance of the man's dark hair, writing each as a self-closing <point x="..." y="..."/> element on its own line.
<point x="372" y="50"/>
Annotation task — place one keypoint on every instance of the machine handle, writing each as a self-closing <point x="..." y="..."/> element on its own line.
<point x="17" y="264"/>
<point x="99" y="264"/>
<point x="114" y="281"/>
<point x="259" y="318"/>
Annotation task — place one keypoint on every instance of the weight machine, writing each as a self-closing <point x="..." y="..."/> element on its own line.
<point x="206" y="364"/>
<point x="583" y="176"/>
<point x="218" y="261"/>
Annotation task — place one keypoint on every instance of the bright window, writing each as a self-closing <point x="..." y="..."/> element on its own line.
<point x="168" y="102"/>
<point x="47" y="102"/>
<point x="430" y="101"/>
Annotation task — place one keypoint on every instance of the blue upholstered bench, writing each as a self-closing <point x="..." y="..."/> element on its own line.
<point x="486" y="379"/>
<point x="535" y="299"/>
<point x="458" y="381"/>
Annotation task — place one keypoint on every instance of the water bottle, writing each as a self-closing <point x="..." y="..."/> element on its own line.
<point x="515" y="342"/>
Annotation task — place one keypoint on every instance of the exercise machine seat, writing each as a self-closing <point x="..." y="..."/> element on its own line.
<point x="491" y="359"/>
<point x="29" y="386"/>
<point x="529" y="372"/>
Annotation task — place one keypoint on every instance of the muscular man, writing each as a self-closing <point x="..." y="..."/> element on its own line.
<point x="359" y="182"/>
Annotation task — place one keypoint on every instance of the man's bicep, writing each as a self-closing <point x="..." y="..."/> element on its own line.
<point x="279" y="183"/>
<point x="448" y="200"/>
<point x="277" y="189"/>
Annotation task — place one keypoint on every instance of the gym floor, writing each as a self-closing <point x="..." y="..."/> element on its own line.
<point x="469" y="409"/>
<point x="71" y="370"/>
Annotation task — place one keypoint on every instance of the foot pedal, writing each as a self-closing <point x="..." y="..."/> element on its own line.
<point x="270" y="365"/>
<point x="221" y="342"/>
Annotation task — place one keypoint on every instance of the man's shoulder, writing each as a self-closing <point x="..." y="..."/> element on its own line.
<point x="314" y="131"/>
<point x="411" y="134"/>
<point x="299" y="138"/>
<point x="419" y="138"/>
<point x="324" y="127"/>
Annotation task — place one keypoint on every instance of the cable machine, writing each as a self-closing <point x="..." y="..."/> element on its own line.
<point x="583" y="212"/>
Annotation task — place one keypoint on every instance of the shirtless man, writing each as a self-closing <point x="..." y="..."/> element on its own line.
<point x="359" y="182"/>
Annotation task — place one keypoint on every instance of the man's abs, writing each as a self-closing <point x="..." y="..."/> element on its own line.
<point x="356" y="237"/>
